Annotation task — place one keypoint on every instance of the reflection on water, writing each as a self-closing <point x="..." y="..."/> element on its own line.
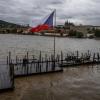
<point x="80" y="83"/>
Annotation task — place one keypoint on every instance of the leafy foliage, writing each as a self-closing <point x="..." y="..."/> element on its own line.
<point x="76" y="34"/>
<point x="97" y="33"/>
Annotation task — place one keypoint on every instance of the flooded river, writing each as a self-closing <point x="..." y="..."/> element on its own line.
<point x="19" y="44"/>
<point x="80" y="83"/>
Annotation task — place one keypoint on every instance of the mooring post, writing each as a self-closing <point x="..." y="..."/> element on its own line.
<point x="42" y="63"/>
<point x="38" y="66"/>
<point x="40" y="59"/>
<point x="77" y="53"/>
<point x="46" y="65"/>
<point x="9" y="58"/>
<point x="61" y="58"/>
<point x="27" y="61"/>
<point x="82" y="57"/>
<point x="11" y="69"/>
<point x="52" y="62"/>
<point x="73" y="57"/>
<point x="49" y="62"/>
<point x="88" y="52"/>
<point x="94" y="57"/>
<point x="98" y="57"/>
<point x="16" y="59"/>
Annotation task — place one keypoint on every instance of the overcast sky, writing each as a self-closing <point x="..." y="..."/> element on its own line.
<point x="32" y="11"/>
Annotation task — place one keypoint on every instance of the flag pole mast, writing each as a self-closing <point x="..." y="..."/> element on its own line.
<point x="54" y="37"/>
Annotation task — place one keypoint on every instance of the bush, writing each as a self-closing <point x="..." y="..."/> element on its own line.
<point x="75" y="34"/>
<point x="79" y="34"/>
<point x="97" y="33"/>
<point x="72" y="33"/>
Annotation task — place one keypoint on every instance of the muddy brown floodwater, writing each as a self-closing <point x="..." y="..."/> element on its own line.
<point x="80" y="83"/>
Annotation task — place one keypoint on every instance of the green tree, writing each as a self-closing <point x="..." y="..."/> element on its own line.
<point x="76" y="34"/>
<point x="79" y="34"/>
<point x="97" y="33"/>
<point x="72" y="33"/>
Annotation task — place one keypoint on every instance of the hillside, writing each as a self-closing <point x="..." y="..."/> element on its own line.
<point x="4" y="24"/>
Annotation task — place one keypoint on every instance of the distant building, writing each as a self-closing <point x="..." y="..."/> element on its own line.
<point x="68" y="25"/>
<point x="85" y="29"/>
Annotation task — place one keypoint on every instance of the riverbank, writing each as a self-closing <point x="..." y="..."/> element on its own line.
<point x="38" y="34"/>
<point x="50" y="35"/>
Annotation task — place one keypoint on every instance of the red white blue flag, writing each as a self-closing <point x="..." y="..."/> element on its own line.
<point x="48" y="24"/>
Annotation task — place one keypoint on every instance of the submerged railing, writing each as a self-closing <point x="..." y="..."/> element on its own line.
<point x="28" y="65"/>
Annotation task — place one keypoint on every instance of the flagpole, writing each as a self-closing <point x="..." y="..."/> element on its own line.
<point x="54" y="38"/>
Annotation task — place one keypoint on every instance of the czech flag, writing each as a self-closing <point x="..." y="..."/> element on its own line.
<point x="48" y="24"/>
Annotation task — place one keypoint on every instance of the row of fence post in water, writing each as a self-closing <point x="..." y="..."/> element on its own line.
<point x="51" y="61"/>
<point x="59" y="58"/>
<point x="35" y="65"/>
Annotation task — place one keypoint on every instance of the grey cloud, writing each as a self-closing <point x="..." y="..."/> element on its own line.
<point x="24" y="11"/>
